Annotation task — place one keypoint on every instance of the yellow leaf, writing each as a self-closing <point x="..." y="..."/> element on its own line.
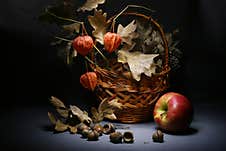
<point x="99" y="24"/>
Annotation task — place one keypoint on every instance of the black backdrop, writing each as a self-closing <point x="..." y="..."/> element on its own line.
<point x="34" y="72"/>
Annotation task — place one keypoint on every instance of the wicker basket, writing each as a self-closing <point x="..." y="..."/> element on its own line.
<point x="138" y="98"/>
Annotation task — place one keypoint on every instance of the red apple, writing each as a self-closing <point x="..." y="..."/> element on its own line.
<point x="173" y="112"/>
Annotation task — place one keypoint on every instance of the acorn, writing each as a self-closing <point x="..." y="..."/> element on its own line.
<point x="116" y="137"/>
<point x="81" y="127"/>
<point x="128" y="137"/>
<point x="92" y="136"/>
<point x="98" y="128"/>
<point x="157" y="136"/>
<point x="85" y="133"/>
<point x="108" y="128"/>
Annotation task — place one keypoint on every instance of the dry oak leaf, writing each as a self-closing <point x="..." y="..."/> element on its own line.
<point x="138" y="63"/>
<point x="105" y="110"/>
<point x="60" y="107"/>
<point x="128" y="34"/>
<point x="99" y="24"/>
<point x="90" y="5"/>
<point x="82" y="115"/>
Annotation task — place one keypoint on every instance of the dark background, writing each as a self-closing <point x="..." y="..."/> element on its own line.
<point x="35" y="72"/>
<point x="32" y="71"/>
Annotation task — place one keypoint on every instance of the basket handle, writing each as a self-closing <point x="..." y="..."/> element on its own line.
<point x="165" y="43"/>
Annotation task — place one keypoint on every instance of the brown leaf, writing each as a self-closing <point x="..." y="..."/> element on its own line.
<point x="110" y="116"/>
<point x="114" y="103"/>
<point x="60" y="126"/>
<point x="52" y="118"/>
<point x="73" y="129"/>
<point x="56" y="102"/>
<point x="90" y="5"/>
<point x="83" y="116"/>
<point x="99" y="24"/>
<point x="97" y="117"/>
<point x="63" y="112"/>
<point x="105" y="110"/>
<point x="72" y="27"/>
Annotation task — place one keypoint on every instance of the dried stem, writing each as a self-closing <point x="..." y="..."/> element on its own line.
<point x="70" y="20"/>
<point x="127" y="7"/>
<point x="62" y="18"/>
<point x="90" y="61"/>
<point x="60" y="38"/>
<point x="102" y="55"/>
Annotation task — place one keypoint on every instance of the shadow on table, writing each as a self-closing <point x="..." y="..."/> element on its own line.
<point x="190" y="131"/>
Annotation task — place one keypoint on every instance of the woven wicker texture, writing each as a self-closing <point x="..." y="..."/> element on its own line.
<point x="138" y="98"/>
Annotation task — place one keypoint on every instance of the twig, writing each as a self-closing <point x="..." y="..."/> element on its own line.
<point x="127" y="7"/>
<point x="68" y="19"/>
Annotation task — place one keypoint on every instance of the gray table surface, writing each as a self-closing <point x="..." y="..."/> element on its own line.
<point x="26" y="128"/>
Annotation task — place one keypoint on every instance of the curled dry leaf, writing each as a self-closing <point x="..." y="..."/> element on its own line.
<point x="105" y="110"/>
<point x="90" y="5"/>
<point x="57" y="102"/>
<point x="60" y="107"/>
<point x="138" y="63"/>
<point x="52" y="118"/>
<point x="99" y="24"/>
<point x="128" y="34"/>
<point x="72" y="129"/>
<point x="60" y="126"/>
<point x="82" y="115"/>
<point x="62" y="112"/>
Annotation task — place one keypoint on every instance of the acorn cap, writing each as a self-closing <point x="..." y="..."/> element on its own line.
<point x="116" y="137"/>
<point x="128" y="137"/>
<point x="108" y="128"/>
<point x="92" y="136"/>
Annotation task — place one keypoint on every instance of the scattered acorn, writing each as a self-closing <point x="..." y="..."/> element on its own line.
<point x="92" y="136"/>
<point x="81" y="127"/>
<point x="108" y="128"/>
<point x="157" y="136"/>
<point x="85" y="133"/>
<point x="98" y="128"/>
<point x="128" y="137"/>
<point x="116" y="137"/>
